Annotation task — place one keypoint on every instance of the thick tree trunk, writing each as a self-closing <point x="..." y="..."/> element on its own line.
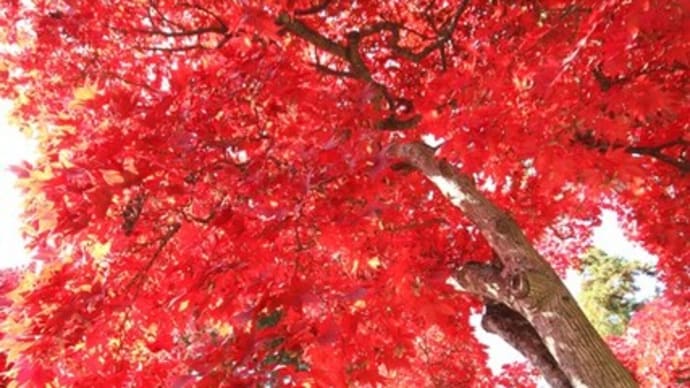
<point x="525" y="282"/>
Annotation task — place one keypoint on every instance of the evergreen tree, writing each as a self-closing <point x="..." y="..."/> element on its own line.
<point x="608" y="290"/>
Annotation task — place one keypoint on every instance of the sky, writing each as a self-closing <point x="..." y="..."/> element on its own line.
<point x="15" y="147"/>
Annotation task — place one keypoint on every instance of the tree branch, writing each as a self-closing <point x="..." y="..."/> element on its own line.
<point x="392" y="123"/>
<point x="483" y="280"/>
<point x="486" y="281"/>
<point x="606" y="82"/>
<point x="350" y="53"/>
<point x="170" y="29"/>
<point x="208" y="12"/>
<point x="153" y="4"/>
<point x="169" y="234"/>
<point x="327" y="70"/>
<point x="499" y="319"/>
<point x="656" y="153"/>
<point x="197" y="46"/>
<point x="533" y="289"/>
<point x="499" y="229"/>
<point x="220" y="29"/>
<point x="313" y="9"/>
<point x="444" y="35"/>
<point x="590" y="141"/>
<point x="298" y="28"/>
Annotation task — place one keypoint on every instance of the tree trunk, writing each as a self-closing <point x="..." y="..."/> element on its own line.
<point x="523" y="281"/>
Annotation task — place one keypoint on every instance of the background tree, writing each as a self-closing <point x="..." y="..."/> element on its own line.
<point x="222" y="195"/>
<point x="608" y="290"/>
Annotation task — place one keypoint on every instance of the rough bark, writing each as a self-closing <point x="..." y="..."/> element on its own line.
<point x="499" y="319"/>
<point x="525" y="283"/>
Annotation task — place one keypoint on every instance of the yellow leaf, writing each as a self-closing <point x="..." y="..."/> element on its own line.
<point x="24" y="39"/>
<point x="47" y="218"/>
<point x="129" y="166"/>
<point x="64" y="158"/>
<point x="152" y="329"/>
<point x="42" y="175"/>
<point x="355" y="266"/>
<point x="47" y="224"/>
<point x="114" y="342"/>
<point x="26" y="283"/>
<point x="183" y="306"/>
<point x="359" y="304"/>
<point x="99" y="251"/>
<point x="69" y="129"/>
<point x="21" y="100"/>
<point x="85" y="288"/>
<point x="85" y="93"/>
<point x="14" y="349"/>
<point x="374" y="262"/>
<point x="112" y="177"/>
<point x="15" y="295"/>
<point x="225" y="329"/>
<point x="104" y="124"/>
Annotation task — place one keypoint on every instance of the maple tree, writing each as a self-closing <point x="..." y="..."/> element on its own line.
<point x="237" y="193"/>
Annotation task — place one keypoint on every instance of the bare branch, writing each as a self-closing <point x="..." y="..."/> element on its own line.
<point x="322" y="6"/>
<point x="606" y="82"/>
<point x="132" y="212"/>
<point x="416" y="225"/>
<point x="208" y="12"/>
<point x="657" y="152"/>
<point x="338" y="73"/>
<point x="305" y="32"/>
<point x="172" y="34"/>
<point x="351" y="54"/>
<point x="444" y="35"/>
<point x="153" y="4"/>
<point x="170" y="29"/>
<point x="392" y="123"/>
<point x="169" y="234"/>
<point x="197" y="46"/>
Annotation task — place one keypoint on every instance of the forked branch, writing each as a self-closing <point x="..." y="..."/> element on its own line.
<point x="501" y="320"/>
<point x="682" y="162"/>
<point x="525" y="283"/>
<point x="351" y="54"/>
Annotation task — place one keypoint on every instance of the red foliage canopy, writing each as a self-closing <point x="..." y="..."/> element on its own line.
<point x="213" y="200"/>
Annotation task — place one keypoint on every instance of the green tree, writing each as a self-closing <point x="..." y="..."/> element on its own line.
<point x="608" y="290"/>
